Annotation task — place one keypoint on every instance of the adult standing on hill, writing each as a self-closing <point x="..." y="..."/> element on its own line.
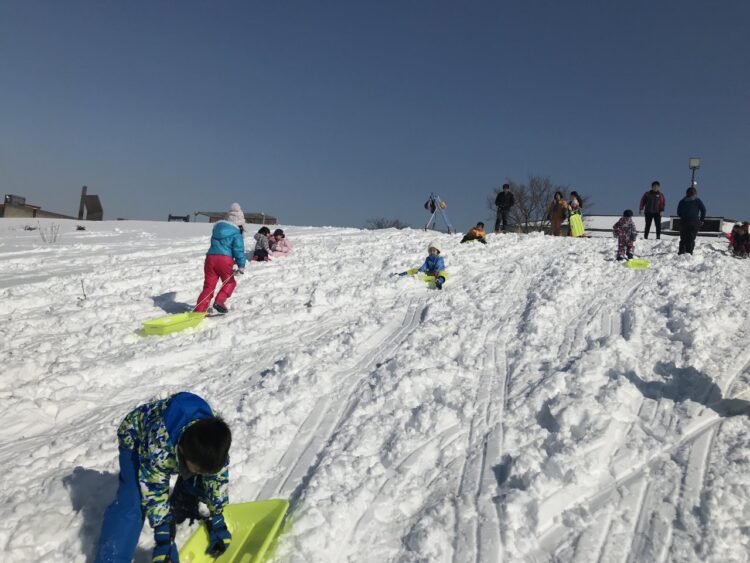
<point x="504" y="201"/>
<point x="558" y="211"/>
<point x="692" y="212"/>
<point x="653" y="203"/>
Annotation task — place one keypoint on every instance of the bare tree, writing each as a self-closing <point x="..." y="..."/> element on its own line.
<point x="383" y="223"/>
<point x="532" y="202"/>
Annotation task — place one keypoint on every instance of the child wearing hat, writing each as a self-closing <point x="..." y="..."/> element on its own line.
<point x="227" y="248"/>
<point x="280" y="245"/>
<point x="434" y="266"/>
<point x="626" y="233"/>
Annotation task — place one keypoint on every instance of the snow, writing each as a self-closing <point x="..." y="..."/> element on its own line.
<point x="548" y="404"/>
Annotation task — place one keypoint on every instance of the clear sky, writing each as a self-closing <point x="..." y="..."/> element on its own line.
<point x="334" y="112"/>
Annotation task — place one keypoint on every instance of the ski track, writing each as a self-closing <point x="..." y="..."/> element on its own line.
<point x="298" y="463"/>
<point x="643" y="490"/>
<point x="644" y="505"/>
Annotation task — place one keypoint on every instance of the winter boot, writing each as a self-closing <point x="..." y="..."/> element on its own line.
<point x="221" y="309"/>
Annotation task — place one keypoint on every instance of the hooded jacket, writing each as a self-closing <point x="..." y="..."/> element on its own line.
<point x="226" y="240"/>
<point x="625" y="229"/>
<point x="261" y="242"/>
<point x="153" y="431"/>
<point x="281" y="247"/>
<point x="691" y="208"/>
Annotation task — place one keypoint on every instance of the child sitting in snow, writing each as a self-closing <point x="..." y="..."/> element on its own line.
<point x="280" y="245"/>
<point x="477" y="233"/>
<point x="227" y="247"/>
<point x="434" y="266"/>
<point x="626" y="234"/>
<point x="262" y="245"/>
<point x="180" y="436"/>
<point x="739" y="239"/>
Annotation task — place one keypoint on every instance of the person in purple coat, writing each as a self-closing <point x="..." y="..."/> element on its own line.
<point x="653" y="203"/>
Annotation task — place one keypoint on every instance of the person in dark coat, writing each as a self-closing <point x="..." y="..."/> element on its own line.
<point x="692" y="212"/>
<point x="503" y="201"/>
<point x="652" y="203"/>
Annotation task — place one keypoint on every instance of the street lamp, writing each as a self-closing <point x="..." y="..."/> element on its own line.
<point x="694" y="163"/>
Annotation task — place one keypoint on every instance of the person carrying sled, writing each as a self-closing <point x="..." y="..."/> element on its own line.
<point x="692" y="212"/>
<point x="434" y="266"/>
<point x="280" y="245"/>
<point x="626" y="233"/>
<point x="504" y="200"/>
<point x="227" y="248"/>
<point x="558" y="212"/>
<point x="181" y="436"/>
<point x="262" y="250"/>
<point x="476" y="233"/>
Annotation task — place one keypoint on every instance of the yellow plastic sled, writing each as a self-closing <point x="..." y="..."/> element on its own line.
<point x="254" y="527"/>
<point x="172" y="323"/>
<point x="637" y="263"/>
<point x="429" y="280"/>
<point x="576" y="225"/>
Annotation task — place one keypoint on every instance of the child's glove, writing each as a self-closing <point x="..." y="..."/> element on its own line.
<point x="219" y="537"/>
<point x="402" y="273"/>
<point x="165" y="550"/>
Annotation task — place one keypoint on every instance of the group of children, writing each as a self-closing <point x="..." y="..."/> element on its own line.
<point x="227" y="249"/>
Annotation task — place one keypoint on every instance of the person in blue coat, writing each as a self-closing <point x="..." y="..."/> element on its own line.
<point x="434" y="266"/>
<point x="692" y="212"/>
<point x="181" y="436"/>
<point x="227" y="249"/>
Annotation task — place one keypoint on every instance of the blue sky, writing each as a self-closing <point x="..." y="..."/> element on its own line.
<point x="331" y="113"/>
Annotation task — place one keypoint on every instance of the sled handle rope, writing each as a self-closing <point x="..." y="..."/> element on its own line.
<point x="210" y="295"/>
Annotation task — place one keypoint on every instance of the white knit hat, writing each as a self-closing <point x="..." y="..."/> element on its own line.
<point x="434" y="244"/>
<point x="236" y="215"/>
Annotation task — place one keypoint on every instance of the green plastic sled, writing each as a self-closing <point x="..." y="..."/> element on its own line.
<point x="254" y="527"/>
<point x="172" y="323"/>
<point x="637" y="263"/>
<point x="576" y="225"/>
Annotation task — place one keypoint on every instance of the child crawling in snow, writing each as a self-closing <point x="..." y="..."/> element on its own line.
<point x="626" y="233"/>
<point x="477" y="233"/>
<point x="434" y="265"/>
<point x="280" y="245"/>
<point x="262" y="250"/>
<point x="180" y="436"/>
<point x="739" y="240"/>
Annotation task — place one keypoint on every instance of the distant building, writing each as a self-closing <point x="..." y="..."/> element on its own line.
<point x="256" y="218"/>
<point x="16" y="206"/>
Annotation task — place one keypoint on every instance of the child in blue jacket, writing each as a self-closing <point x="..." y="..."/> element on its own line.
<point x="434" y="266"/>
<point x="227" y="248"/>
<point x="181" y="436"/>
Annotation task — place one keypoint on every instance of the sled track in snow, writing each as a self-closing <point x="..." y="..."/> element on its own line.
<point x="320" y="427"/>
<point x="478" y="519"/>
<point x="640" y="491"/>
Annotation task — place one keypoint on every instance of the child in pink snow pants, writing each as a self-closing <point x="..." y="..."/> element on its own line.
<point x="227" y="248"/>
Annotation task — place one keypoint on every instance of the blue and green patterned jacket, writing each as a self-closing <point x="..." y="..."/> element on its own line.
<point x="153" y="431"/>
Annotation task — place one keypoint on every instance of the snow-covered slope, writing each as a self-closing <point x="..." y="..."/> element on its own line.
<point x="548" y="404"/>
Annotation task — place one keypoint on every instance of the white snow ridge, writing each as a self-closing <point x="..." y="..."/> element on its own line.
<point x="548" y="404"/>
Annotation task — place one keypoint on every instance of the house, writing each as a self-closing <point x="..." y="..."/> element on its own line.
<point x="16" y="206"/>
<point x="256" y="218"/>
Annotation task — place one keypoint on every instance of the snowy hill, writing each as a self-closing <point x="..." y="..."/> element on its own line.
<point x="548" y="404"/>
